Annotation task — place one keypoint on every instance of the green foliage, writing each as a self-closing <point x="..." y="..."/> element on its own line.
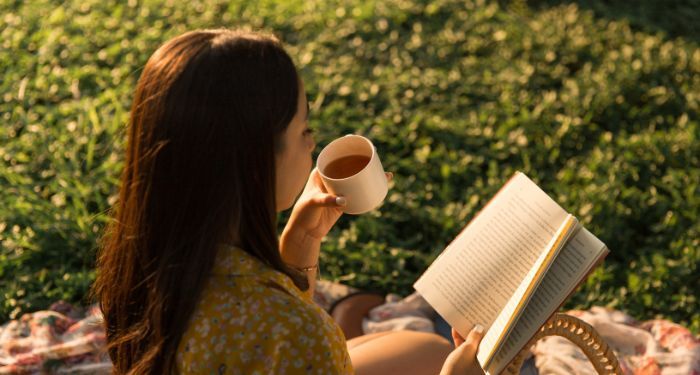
<point x="457" y="96"/>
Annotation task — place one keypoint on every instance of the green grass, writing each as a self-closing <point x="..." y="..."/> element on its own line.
<point x="602" y="112"/>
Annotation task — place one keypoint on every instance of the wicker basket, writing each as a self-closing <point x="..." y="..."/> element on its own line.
<point x="578" y="332"/>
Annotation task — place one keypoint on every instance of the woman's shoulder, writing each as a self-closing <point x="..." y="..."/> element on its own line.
<point x="254" y="286"/>
<point x="267" y="300"/>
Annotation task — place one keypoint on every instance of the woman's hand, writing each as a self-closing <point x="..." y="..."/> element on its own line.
<point x="316" y="210"/>
<point x="463" y="360"/>
<point x="313" y="215"/>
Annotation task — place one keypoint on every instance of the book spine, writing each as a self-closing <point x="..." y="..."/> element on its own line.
<point x="562" y="236"/>
<point x="593" y="266"/>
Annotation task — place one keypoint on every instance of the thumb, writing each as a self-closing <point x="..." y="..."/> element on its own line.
<point x="470" y="346"/>
<point x="474" y="337"/>
<point x="328" y="200"/>
<point x="463" y="359"/>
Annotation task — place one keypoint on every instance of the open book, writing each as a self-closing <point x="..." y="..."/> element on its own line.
<point x="510" y="269"/>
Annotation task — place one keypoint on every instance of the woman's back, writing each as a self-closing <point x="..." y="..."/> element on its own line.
<point x="252" y="318"/>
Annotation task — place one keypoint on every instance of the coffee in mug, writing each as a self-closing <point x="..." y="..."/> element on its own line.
<point x="346" y="166"/>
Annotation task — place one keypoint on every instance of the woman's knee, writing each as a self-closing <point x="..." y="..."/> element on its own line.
<point x="349" y="312"/>
<point x="430" y="341"/>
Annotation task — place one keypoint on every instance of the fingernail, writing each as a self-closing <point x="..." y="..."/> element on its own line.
<point x="340" y="201"/>
<point x="479" y="329"/>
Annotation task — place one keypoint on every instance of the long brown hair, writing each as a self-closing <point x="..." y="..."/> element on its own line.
<point x="206" y="120"/>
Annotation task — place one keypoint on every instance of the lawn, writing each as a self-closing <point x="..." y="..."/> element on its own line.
<point x="598" y="104"/>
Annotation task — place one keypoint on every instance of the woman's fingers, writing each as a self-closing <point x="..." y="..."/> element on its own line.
<point x="457" y="338"/>
<point x="315" y="181"/>
<point x="463" y="359"/>
<point x="474" y="337"/>
<point x="467" y="351"/>
<point x="321" y="197"/>
<point x="315" y="178"/>
<point x="328" y="200"/>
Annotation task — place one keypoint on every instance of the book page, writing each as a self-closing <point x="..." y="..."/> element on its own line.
<point x="509" y="315"/>
<point x="569" y="268"/>
<point x="476" y="275"/>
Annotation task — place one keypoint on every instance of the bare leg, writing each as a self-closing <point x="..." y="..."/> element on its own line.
<point x="398" y="352"/>
<point x="395" y="352"/>
<point x="359" y="340"/>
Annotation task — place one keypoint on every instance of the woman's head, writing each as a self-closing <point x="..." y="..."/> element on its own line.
<point x="217" y="143"/>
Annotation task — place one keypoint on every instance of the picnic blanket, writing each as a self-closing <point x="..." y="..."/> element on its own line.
<point x="62" y="340"/>
<point x="645" y="348"/>
<point x="654" y="347"/>
<point x="67" y="339"/>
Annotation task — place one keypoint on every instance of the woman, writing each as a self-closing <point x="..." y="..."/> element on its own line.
<point x="191" y="276"/>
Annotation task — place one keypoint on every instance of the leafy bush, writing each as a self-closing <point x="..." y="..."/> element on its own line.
<point x="456" y="94"/>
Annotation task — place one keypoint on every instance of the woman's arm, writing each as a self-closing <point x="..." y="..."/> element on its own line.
<point x="300" y="250"/>
<point x="313" y="215"/>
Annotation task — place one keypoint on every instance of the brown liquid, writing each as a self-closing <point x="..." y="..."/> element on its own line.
<point x="346" y="166"/>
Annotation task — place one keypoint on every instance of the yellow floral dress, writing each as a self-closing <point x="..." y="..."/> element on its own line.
<point x="252" y="319"/>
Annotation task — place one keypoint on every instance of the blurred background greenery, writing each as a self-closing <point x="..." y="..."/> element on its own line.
<point x="597" y="101"/>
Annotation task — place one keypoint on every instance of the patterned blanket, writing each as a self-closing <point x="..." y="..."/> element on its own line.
<point x="643" y="348"/>
<point x="66" y="339"/>
<point x="63" y="339"/>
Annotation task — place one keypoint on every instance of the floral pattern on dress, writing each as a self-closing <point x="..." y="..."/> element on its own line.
<point x="252" y="319"/>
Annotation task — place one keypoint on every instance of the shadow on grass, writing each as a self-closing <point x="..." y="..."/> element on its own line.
<point x="675" y="18"/>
